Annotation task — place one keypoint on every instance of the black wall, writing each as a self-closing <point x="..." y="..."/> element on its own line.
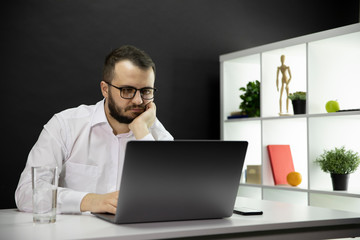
<point x="52" y="53"/>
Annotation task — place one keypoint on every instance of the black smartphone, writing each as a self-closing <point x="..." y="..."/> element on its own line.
<point x="247" y="211"/>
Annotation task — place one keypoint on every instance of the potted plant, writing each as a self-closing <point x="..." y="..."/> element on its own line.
<point x="339" y="163"/>
<point x="298" y="100"/>
<point x="250" y="104"/>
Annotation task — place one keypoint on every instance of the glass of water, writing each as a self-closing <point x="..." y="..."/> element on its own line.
<point x="44" y="185"/>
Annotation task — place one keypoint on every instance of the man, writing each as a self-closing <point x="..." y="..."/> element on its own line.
<point x="87" y="143"/>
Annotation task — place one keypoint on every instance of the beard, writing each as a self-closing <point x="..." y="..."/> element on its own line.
<point x="118" y="113"/>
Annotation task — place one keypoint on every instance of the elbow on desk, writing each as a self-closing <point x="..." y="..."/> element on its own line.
<point x="23" y="199"/>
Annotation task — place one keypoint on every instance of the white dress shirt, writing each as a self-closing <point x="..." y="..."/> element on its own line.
<point x="81" y="143"/>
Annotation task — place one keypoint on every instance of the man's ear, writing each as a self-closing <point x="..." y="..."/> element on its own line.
<point x="104" y="89"/>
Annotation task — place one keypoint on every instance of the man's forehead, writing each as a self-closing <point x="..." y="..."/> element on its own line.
<point x="129" y="74"/>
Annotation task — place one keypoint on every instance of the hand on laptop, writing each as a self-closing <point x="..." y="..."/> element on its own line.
<point x="99" y="203"/>
<point x="141" y="124"/>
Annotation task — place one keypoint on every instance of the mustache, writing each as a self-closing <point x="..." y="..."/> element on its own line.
<point x="135" y="107"/>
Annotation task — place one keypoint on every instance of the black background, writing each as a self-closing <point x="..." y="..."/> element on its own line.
<point x="52" y="53"/>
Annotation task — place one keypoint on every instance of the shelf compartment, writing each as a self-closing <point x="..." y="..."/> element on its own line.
<point x="249" y="191"/>
<point x="291" y="131"/>
<point x="328" y="133"/>
<point x="246" y="131"/>
<point x="334" y="72"/>
<point x="238" y="73"/>
<point x="335" y="202"/>
<point x="295" y="58"/>
<point x="285" y="195"/>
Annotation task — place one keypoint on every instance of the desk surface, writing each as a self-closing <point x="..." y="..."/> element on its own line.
<point x="279" y="221"/>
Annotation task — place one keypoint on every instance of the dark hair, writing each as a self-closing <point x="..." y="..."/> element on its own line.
<point x="138" y="57"/>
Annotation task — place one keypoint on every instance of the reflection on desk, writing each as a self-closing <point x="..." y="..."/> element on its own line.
<point x="279" y="221"/>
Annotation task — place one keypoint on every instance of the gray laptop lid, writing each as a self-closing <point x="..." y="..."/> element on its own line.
<point x="178" y="180"/>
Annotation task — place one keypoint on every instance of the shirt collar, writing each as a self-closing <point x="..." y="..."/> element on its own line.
<point x="99" y="117"/>
<point x="99" y="113"/>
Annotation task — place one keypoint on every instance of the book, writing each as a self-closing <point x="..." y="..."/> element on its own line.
<point x="281" y="162"/>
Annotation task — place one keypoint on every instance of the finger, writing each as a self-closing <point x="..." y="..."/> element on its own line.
<point x="113" y="202"/>
<point x="111" y="205"/>
<point x="149" y="105"/>
<point x="152" y="106"/>
<point x="111" y="209"/>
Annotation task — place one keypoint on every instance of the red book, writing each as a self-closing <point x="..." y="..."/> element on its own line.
<point x="281" y="162"/>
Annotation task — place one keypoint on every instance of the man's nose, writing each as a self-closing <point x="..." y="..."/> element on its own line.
<point x="137" y="98"/>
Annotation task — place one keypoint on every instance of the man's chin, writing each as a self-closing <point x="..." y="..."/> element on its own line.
<point x="123" y="119"/>
<point x="130" y="119"/>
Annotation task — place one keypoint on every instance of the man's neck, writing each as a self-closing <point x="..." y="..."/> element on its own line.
<point x="118" y="128"/>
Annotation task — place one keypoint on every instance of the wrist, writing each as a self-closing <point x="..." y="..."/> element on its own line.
<point x="86" y="202"/>
<point x="140" y="130"/>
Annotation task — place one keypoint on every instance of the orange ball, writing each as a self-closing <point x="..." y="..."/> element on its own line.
<point x="294" y="178"/>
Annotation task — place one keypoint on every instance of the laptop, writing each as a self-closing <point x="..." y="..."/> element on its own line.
<point x="178" y="180"/>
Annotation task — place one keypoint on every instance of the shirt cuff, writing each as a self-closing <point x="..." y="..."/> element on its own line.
<point x="148" y="137"/>
<point x="69" y="200"/>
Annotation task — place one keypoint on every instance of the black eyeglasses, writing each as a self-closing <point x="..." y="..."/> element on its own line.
<point x="146" y="93"/>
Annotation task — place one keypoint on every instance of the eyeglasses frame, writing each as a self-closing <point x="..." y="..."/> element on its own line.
<point x="136" y="89"/>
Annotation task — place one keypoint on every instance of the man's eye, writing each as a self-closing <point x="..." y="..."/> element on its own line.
<point x="128" y="90"/>
<point x="146" y="91"/>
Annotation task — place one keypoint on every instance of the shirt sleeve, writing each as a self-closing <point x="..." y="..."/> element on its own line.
<point x="49" y="150"/>
<point x="158" y="132"/>
<point x="148" y="137"/>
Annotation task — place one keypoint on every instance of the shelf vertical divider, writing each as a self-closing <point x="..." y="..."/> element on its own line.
<point x="307" y="123"/>
<point x="222" y="117"/>
<point x="261" y="127"/>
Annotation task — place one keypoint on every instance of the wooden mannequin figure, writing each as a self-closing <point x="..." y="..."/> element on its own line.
<point x="284" y="83"/>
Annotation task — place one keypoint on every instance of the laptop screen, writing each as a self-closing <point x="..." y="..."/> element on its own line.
<point x="179" y="180"/>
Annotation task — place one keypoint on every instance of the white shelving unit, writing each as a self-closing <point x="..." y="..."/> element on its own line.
<point x="327" y="66"/>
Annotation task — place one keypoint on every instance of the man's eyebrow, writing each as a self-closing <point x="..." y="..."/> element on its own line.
<point x="128" y="86"/>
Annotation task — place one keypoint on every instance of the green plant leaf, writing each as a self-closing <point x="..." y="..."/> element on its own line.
<point x="250" y="104"/>
<point x="339" y="161"/>
<point x="297" y="96"/>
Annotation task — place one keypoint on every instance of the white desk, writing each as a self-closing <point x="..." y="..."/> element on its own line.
<point x="279" y="221"/>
